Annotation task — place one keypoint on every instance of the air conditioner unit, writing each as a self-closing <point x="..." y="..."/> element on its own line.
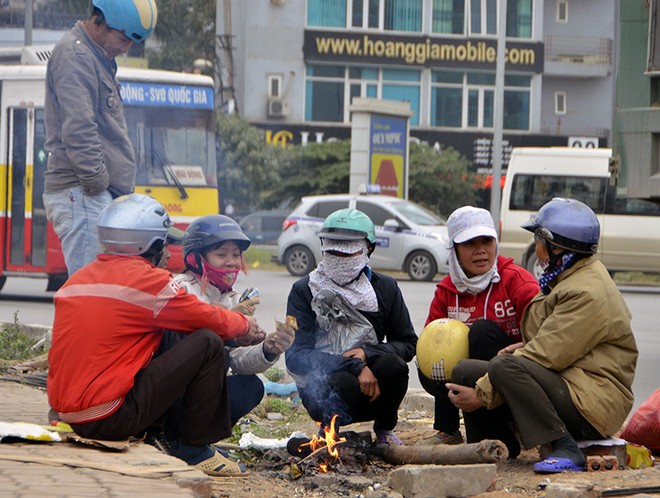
<point x="277" y="108"/>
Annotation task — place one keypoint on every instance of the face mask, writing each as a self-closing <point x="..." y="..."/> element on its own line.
<point x="344" y="270"/>
<point x="223" y="280"/>
<point x="544" y="263"/>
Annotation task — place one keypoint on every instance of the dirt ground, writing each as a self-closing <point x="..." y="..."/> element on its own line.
<point x="270" y="470"/>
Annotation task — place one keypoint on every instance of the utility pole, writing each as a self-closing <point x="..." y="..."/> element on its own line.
<point x="224" y="58"/>
<point x="27" y="41"/>
<point x="496" y="158"/>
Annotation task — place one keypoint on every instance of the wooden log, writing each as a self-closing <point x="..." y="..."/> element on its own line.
<point x="486" y="451"/>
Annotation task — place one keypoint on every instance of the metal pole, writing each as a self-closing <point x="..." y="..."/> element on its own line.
<point x="28" y="23"/>
<point x="496" y="158"/>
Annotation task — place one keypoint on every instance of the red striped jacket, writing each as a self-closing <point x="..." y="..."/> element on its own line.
<point x="109" y="318"/>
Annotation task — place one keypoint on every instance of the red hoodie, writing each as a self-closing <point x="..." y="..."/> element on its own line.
<point x="503" y="302"/>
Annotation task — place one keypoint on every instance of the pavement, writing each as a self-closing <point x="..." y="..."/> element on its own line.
<point x="67" y="469"/>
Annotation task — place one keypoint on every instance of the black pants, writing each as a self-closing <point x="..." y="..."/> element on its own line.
<point x="245" y="393"/>
<point x="339" y="394"/>
<point x="537" y="400"/>
<point x="193" y="369"/>
<point x="485" y="339"/>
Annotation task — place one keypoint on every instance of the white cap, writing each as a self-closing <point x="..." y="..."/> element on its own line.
<point x="469" y="222"/>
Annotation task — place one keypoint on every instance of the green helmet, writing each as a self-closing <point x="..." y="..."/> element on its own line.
<point x="348" y="224"/>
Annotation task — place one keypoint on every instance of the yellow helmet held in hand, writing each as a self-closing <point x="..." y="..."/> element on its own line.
<point x="442" y="344"/>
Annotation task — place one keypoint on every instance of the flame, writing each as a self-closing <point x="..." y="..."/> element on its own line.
<point x="330" y="439"/>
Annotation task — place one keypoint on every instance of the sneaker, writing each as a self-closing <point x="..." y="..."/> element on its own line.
<point x="442" y="438"/>
<point x="388" y="438"/>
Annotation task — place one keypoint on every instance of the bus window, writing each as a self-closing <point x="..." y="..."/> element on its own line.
<point x="167" y="137"/>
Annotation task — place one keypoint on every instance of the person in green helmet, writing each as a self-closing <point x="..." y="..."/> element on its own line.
<point x="355" y="336"/>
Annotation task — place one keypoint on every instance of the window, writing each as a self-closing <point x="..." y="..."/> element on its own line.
<point x="448" y="17"/>
<point x="403" y="15"/>
<point x="401" y="84"/>
<point x="467" y="100"/>
<point x="483" y="17"/>
<point x="532" y="191"/>
<point x="519" y="19"/>
<point x="560" y="103"/>
<point x="562" y="11"/>
<point x="323" y="209"/>
<point x="274" y="85"/>
<point x="397" y="15"/>
<point x="376" y="213"/>
<point x="324" y="97"/>
<point x="326" y="13"/>
<point x="330" y="89"/>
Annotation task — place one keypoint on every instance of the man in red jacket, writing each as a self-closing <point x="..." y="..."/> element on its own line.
<point x="105" y="378"/>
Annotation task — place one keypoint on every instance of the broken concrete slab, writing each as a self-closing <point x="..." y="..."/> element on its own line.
<point x="437" y="481"/>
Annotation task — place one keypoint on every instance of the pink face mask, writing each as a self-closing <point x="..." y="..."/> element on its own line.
<point x="222" y="279"/>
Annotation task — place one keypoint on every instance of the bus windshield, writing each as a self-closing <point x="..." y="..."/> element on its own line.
<point x="173" y="146"/>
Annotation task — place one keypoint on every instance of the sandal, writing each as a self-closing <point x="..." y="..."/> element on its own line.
<point x="388" y="438"/>
<point x="554" y="465"/>
<point x="219" y="465"/>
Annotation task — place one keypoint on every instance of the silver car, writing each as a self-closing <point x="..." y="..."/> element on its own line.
<point x="408" y="236"/>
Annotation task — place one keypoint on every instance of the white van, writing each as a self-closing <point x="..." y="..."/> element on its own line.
<point x="630" y="228"/>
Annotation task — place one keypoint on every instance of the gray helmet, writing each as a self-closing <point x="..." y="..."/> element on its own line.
<point x="567" y="224"/>
<point x="130" y="225"/>
<point x="207" y="232"/>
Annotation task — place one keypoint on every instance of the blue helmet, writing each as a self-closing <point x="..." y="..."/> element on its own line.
<point x="135" y="18"/>
<point x="207" y="232"/>
<point x="568" y="224"/>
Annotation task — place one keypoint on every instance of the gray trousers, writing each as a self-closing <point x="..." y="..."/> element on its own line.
<point x="537" y="399"/>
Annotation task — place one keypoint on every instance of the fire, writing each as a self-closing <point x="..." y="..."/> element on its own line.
<point x="330" y="439"/>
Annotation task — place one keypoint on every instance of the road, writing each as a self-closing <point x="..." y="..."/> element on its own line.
<point x="34" y="305"/>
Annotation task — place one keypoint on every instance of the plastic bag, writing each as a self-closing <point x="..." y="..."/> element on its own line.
<point x="644" y="426"/>
<point x="342" y="327"/>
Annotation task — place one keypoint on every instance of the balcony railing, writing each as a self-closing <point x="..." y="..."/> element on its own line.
<point x="578" y="50"/>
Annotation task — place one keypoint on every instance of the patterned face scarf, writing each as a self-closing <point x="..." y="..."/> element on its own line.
<point x="345" y="275"/>
<point x="567" y="260"/>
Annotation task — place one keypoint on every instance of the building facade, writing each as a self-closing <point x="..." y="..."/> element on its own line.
<point x="292" y="67"/>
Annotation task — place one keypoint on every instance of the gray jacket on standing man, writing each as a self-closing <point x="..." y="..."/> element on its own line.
<point x="91" y="158"/>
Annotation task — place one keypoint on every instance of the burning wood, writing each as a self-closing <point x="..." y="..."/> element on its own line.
<point x="356" y="453"/>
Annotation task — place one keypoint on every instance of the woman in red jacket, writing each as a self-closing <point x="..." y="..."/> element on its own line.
<point x="488" y="293"/>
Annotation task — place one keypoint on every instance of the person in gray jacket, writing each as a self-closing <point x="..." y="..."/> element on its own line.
<point x="90" y="156"/>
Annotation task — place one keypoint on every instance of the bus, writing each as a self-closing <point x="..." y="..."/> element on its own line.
<point x="171" y="122"/>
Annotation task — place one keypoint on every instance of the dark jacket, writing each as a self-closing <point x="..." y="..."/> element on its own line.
<point x="391" y="322"/>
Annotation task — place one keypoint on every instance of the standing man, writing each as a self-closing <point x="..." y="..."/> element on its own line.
<point x="90" y="156"/>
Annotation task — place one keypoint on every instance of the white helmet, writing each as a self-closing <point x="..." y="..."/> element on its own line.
<point x="130" y="225"/>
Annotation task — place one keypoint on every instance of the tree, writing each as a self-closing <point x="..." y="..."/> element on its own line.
<point x="313" y="169"/>
<point x="248" y="167"/>
<point x="439" y="180"/>
<point x="185" y="31"/>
